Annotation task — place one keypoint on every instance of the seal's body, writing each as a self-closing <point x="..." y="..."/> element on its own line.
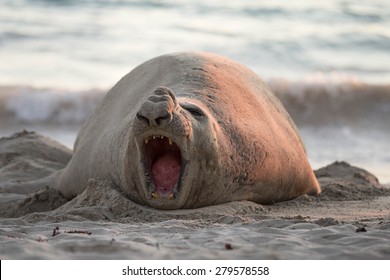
<point x="188" y="130"/>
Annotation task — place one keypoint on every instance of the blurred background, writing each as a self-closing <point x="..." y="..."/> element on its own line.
<point x="328" y="61"/>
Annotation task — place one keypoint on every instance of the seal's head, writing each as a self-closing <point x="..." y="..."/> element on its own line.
<point x="173" y="139"/>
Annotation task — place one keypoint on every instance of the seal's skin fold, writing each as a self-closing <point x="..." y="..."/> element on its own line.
<point x="202" y="118"/>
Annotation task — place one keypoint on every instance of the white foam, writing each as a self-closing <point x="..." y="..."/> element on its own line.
<point x="51" y="106"/>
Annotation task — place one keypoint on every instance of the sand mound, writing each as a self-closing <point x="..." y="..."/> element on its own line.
<point x="350" y="219"/>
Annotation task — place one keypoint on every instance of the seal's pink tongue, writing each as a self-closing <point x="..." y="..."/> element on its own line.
<point x="166" y="173"/>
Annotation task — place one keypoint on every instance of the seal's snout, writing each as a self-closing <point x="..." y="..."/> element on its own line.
<point x="158" y="109"/>
<point x="162" y="149"/>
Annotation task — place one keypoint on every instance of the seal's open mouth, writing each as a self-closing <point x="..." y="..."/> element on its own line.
<point x="163" y="161"/>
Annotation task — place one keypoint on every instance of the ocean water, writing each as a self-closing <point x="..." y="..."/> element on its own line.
<point x="328" y="61"/>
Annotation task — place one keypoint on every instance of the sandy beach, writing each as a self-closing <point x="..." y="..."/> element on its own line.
<point x="350" y="219"/>
<point x="327" y="62"/>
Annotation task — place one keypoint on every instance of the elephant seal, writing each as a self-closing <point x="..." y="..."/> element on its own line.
<point x="187" y="130"/>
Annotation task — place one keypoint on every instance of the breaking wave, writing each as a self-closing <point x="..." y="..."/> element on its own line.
<point x="352" y="103"/>
<point x="309" y="103"/>
<point x="27" y="105"/>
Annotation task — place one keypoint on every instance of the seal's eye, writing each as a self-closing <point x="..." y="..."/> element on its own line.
<point x="193" y="110"/>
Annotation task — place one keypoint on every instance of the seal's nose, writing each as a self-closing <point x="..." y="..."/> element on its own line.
<point x="157" y="110"/>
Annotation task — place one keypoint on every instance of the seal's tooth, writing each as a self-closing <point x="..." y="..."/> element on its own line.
<point x="154" y="137"/>
<point x="146" y="140"/>
<point x="171" y="196"/>
<point x="155" y="195"/>
<point x="170" y="141"/>
<point x="162" y="137"/>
